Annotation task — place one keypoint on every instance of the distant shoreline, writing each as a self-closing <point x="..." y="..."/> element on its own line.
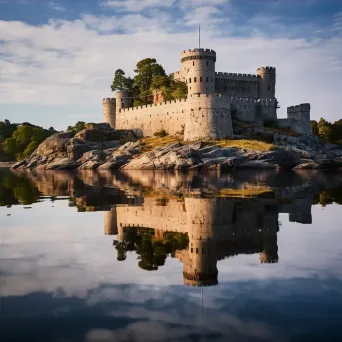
<point x="6" y="165"/>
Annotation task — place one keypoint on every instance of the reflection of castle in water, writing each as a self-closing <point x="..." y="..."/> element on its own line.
<point x="216" y="227"/>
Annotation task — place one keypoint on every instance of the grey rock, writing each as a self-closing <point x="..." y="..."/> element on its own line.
<point x="329" y="147"/>
<point x="62" y="164"/>
<point x="20" y="164"/>
<point x="285" y="159"/>
<point x="257" y="164"/>
<point x="90" y="165"/>
<point x="308" y="166"/>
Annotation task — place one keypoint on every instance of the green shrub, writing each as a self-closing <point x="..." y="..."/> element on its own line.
<point x="161" y="133"/>
<point x="270" y="123"/>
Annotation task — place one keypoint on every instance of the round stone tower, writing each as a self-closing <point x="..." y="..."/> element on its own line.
<point x="267" y="81"/>
<point x="122" y="100"/>
<point x="198" y="70"/>
<point x="110" y="222"/>
<point x="109" y="111"/>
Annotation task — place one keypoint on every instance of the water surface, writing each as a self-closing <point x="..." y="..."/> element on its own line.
<point x="151" y="256"/>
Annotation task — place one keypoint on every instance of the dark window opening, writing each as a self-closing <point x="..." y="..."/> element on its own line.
<point x="207" y="79"/>
<point x="189" y="80"/>
<point x="195" y="79"/>
<point x="207" y="63"/>
<point x="201" y="79"/>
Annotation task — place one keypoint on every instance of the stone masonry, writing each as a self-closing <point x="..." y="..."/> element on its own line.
<point x="213" y="98"/>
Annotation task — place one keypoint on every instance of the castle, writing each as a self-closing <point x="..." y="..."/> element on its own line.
<point x="214" y="98"/>
<point x="217" y="228"/>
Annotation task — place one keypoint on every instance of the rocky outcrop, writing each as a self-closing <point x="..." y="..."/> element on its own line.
<point x="99" y="147"/>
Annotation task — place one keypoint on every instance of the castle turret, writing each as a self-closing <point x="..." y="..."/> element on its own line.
<point x="110" y="222"/>
<point x="300" y="118"/>
<point x="122" y="100"/>
<point x="208" y="117"/>
<point x="198" y="70"/>
<point x="267" y="81"/>
<point x="109" y="111"/>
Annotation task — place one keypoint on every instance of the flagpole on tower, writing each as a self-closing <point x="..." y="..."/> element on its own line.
<point x="199" y="36"/>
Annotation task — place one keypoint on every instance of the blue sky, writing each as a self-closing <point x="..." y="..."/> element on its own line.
<point x="57" y="58"/>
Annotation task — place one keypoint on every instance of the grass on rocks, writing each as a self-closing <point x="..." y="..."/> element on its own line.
<point x="243" y="193"/>
<point x="152" y="143"/>
<point x="254" y="145"/>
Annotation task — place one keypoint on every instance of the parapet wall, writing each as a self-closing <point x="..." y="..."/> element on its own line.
<point x="299" y="117"/>
<point x="236" y="75"/>
<point x="168" y="116"/>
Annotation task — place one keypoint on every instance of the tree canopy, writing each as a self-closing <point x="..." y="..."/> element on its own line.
<point x="79" y="126"/>
<point x="19" y="141"/>
<point x="149" y="76"/>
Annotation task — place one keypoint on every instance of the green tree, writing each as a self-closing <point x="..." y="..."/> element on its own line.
<point x="180" y="90"/>
<point x="314" y="126"/>
<point x="79" y="126"/>
<point x="24" y="141"/>
<point x="119" y="81"/>
<point x="324" y="130"/>
<point x="145" y="71"/>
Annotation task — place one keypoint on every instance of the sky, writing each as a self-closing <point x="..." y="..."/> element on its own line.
<point x="57" y="58"/>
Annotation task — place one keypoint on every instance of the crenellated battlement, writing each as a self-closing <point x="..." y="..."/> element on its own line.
<point x="234" y="75"/>
<point x="137" y="108"/>
<point x="199" y="50"/>
<point x="303" y="107"/>
<point x="267" y="68"/>
<point x="109" y="100"/>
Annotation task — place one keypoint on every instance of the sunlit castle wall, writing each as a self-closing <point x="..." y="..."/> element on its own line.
<point x="208" y="117"/>
<point x="152" y="118"/>
<point x="198" y="70"/>
<point x="109" y="111"/>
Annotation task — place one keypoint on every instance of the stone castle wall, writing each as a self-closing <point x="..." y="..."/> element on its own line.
<point x="168" y="116"/>
<point x="237" y="85"/>
<point x="109" y="111"/>
<point x="208" y="117"/>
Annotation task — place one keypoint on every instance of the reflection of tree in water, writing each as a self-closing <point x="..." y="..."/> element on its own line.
<point x="326" y="197"/>
<point x="17" y="190"/>
<point x="152" y="251"/>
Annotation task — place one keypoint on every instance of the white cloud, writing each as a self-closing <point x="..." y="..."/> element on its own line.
<point x="55" y="6"/>
<point x="64" y="62"/>
<point x="137" y="5"/>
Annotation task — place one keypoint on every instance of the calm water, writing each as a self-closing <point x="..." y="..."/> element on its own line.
<point x="143" y="256"/>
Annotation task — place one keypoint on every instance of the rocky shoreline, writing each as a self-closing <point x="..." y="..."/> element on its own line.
<point x="99" y="147"/>
<point x="6" y="165"/>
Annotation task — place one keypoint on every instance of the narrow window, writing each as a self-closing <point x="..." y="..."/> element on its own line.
<point x="195" y="79"/>
<point x="201" y="79"/>
<point x="196" y="250"/>
<point x="202" y="250"/>
<point x="193" y="63"/>
<point x="207" y="79"/>
<point x="189" y="80"/>
<point x="269" y="88"/>
<point x="207" y="63"/>
<point x="192" y="250"/>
